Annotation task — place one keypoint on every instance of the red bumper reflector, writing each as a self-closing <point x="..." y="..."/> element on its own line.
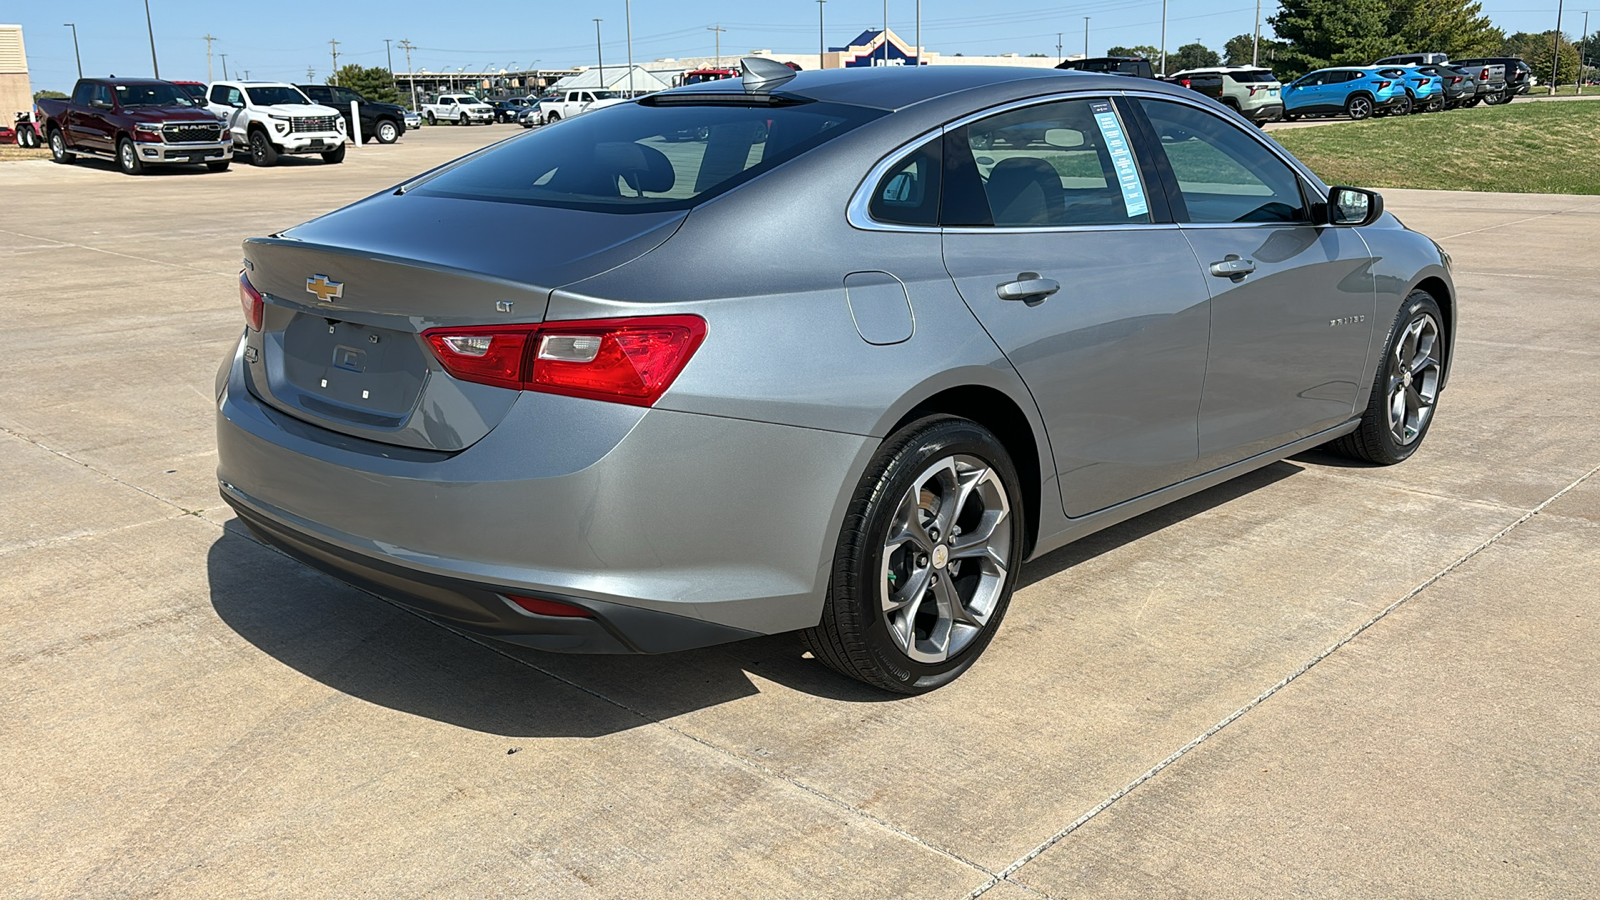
<point x="543" y="607"/>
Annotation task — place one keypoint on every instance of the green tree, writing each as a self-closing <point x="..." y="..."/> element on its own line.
<point x="374" y="83"/>
<point x="1332" y="33"/>
<point x="48" y="95"/>
<point x="1545" y="49"/>
<point x="1239" y="50"/>
<point x="1192" y="56"/>
<point x="1456" y="27"/>
<point x="1142" y="51"/>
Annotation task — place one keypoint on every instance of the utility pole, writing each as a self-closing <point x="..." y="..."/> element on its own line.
<point x="886" y="32"/>
<point x="335" y="45"/>
<point x="600" y="54"/>
<point x="1255" y="45"/>
<point x="224" y="66"/>
<point x="821" y="31"/>
<point x="718" y="29"/>
<point x="410" y="78"/>
<point x="627" y="17"/>
<point x="208" y="40"/>
<point x="389" y="54"/>
<point x="149" y="26"/>
<point x="75" y="52"/>
<point x="918" y="38"/>
<point x="311" y="73"/>
<point x="1555" y="54"/>
<point x="1059" y="58"/>
<point x="1085" y="37"/>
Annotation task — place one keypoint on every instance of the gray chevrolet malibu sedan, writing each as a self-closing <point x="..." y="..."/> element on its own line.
<point x="831" y="352"/>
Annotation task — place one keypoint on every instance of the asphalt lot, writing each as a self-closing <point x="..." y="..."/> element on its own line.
<point x="1319" y="680"/>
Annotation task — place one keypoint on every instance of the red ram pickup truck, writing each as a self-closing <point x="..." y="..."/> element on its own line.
<point x="135" y="122"/>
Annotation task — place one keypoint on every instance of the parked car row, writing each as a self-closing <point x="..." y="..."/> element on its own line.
<point x="1394" y="85"/>
<point x="141" y="122"/>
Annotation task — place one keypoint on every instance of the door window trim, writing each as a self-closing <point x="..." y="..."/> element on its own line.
<point x="858" y="213"/>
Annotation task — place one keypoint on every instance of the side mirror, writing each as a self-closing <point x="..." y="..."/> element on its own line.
<point x="1354" y="207"/>
<point x="100" y="104"/>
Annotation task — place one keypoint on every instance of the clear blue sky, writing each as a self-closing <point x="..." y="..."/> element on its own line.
<point x="278" y="40"/>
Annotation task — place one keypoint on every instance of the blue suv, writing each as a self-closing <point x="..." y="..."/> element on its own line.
<point x="1354" y="92"/>
<point x="1424" y="90"/>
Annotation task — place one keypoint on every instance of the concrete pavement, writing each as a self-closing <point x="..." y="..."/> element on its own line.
<point x="1318" y="680"/>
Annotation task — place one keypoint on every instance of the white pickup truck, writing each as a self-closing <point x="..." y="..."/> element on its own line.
<point x="570" y="103"/>
<point x="269" y="119"/>
<point x="462" y="109"/>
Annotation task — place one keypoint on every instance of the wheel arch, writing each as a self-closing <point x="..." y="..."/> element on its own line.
<point x="1440" y="291"/>
<point x="995" y="410"/>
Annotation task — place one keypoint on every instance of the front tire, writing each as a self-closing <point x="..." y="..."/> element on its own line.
<point x="464" y="120"/>
<point x="926" y="561"/>
<point x="1405" y="390"/>
<point x="128" y="158"/>
<point x="388" y="132"/>
<point x="1358" y="107"/>
<point x="262" y="153"/>
<point x="334" y="156"/>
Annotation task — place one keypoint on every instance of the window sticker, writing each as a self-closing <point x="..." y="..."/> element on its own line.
<point x="1121" y="158"/>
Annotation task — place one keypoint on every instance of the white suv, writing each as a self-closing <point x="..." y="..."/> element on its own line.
<point x="269" y="118"/>
<point x="463" y="109"/>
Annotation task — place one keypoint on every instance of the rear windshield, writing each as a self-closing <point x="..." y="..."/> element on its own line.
<point x="272" y="96"/>
<point x="152" y="93"/>
<point x="634" y="158"/>
<point x="1259" y="77"/>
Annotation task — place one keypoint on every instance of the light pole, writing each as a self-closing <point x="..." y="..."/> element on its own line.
<point x="1583" y="46"/>
<point x="224" y="65"/>
<point x="1555" y="54"/>
<point x="75" y="53"/>
<point x="886" y="32"/>
<point x="627" y="19"/>
<point x="149" y="26"/>
<point x="1163" y="38"/>
<point x="821" y="29"/>
<point x="1255" y="45"/>
<point x="1085" y="37"/>
<point x="600" y="54"/>
<point x="918" y="38"/>
<point x="388" y="53"/>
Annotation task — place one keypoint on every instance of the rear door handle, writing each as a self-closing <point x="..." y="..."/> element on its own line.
<point x="1233" y="267"/>
<point x="1028" y="286"/>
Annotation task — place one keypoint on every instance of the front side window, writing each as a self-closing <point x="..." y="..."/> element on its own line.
<point x="1065" y="163"/>
<point x="273" y="96"/>
<point x="1224" y="174"/>
<point x="642" y="158"/>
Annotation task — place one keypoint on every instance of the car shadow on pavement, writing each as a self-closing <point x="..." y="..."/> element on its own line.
<point x="376" y="651"/>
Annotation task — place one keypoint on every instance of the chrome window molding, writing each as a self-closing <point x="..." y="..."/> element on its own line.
<point x="858" y="213"/>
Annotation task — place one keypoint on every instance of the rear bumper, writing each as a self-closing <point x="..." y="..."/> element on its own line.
<point x="636" y="514"/>
<point x="1266" y="112"/>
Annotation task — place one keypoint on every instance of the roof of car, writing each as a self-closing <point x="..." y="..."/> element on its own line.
<point x="1220" y="70"/>
<point x="897" y="87"/>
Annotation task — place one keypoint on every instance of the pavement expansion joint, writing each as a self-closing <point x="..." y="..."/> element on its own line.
<point x="159" y="262"/>
<point x="1514" y="222"/>
<point x="95" y="469"/>
<point x="1153" y="771"/>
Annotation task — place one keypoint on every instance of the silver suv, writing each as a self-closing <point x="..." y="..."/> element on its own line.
<point x="1250" y="91"/>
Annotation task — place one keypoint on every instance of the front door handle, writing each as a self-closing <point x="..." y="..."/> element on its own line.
<point x="1028" y="286"/>
<point x="1233" y="267"/>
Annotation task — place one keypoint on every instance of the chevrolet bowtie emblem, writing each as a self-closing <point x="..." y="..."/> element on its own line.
<point x="324" y="289"/>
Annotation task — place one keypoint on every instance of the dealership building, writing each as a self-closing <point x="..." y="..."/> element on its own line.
<point x="16" y="92"/>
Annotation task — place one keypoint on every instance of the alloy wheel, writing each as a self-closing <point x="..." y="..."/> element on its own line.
<point x="1413" y="379"/>
<point x="1360" y="108"/>
<point x="943" y="569"/>
<point x="58" y="145"/>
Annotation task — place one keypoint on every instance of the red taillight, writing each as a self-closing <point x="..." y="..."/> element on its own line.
<point x="1382" y="85"/>
<point x="1455" y="79"/>
<point x="1484" y="75"/>
<point x="250" y="299"/>
<point x="1184" y="82"/>
<point x="543" y="607"/>
<point x="618" y="360"/>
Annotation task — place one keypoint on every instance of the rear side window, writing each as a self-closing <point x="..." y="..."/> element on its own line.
<point x="82" y="93"/>
<point x="1261" y="77"/>
<point x="1065" y="163"/>
<point x="909" y="193"/>
<point x="1224" y="174"/>
<point x="637" y="158"/>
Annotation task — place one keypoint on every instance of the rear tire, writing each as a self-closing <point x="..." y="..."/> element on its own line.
<point x="1358" y="107"/>
<point x="1436" y="104"/>
<point x="262" y="153"/>
<point x="128" y="158"/>
<point x="1405" y="390"/>
<point x="431" y="119"/>
<point x="334" y="156"/>
<point x="58" y="147"/>
<point x="911" y="602"/>
<point x="552" y="118"/>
